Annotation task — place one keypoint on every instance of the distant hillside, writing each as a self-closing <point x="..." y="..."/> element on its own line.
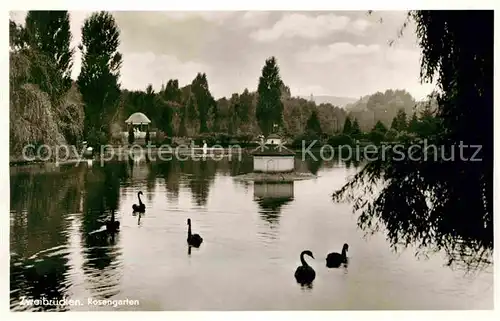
<point x="334" y="100"/>
<point x="384" y="106"/>
<point x="358" y="105"/>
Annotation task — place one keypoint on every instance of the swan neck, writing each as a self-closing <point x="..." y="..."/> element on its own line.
<point x="302" y="260"/>
<point x="189" y="229"/>
<point x="139" y="196"/>
<point x="344" y="252"/>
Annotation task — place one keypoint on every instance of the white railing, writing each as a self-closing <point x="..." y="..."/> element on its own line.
<point x="140" y="134"/>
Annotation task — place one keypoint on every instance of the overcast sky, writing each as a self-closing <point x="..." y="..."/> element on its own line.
<point x="338" y="53"/>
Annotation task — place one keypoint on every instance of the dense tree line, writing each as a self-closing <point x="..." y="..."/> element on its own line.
<point x="384" y="107"/>
<point x="95" y="107"/>
<point x="192" y="110"/>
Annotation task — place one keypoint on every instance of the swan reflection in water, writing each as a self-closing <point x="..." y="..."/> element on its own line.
<point x="109" y="228"/>
<point x="306" y="287"/>
<point x="345" y="267"/>
<point x="139" y="216"/>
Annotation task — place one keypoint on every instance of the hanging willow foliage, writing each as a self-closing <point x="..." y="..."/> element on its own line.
<point x="71" y="115"/>
<point x="32" y="120"/>
<point x="40" y="113"/>
<point x="436" y="202"/>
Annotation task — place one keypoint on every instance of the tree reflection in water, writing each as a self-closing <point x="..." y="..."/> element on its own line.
<point x="201" y="176"/>
<point x="314" y="165"/>
<point x="39" y="234"/>
<point x="169" y="171"/>
<point x="101" y="251"/>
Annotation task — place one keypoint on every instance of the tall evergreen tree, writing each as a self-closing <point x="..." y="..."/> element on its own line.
<point x="150" y="108"/>
<point x="164" y="113"/>
<point x="380" y="127"/>
<point x="172" y="91"/>
<point x="313" y="125"/>
<point x="182" y="131"/>
<point x="204" y="100"/>
<point x="99" y="76"/>
<point x="191" y="116"/>
<point x="347" y="129"/>
<point x="269" y="109"/>
<point x="245" y="106"/>
<point x="399" y="122"/>
<point x="413" y="124"/>
<point x="378" y="132"/>
<point x="355" y="131"/>
<point x="428" y="123"/>
<point x="234" y="107"/>
<point x="49" y="33"/>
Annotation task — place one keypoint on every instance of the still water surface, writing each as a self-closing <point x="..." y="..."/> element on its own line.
<point x="253" y="235"/>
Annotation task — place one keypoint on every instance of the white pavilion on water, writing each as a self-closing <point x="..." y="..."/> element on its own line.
<point x="273" y="157"/>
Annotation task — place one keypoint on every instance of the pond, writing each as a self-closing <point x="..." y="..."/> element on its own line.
<point x="252" y="238"/>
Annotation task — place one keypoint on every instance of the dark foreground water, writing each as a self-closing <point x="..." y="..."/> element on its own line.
<point x="253" y="235"/>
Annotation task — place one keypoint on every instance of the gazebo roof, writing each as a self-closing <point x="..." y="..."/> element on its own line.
<point x="273" y="151"/>
<point x="138" y="119"/>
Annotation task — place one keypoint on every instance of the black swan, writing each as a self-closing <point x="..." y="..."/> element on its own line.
<point x="193" y="239"/>
<point x="141" y="208"/>
<point x="304" y="273"/>
<point x="334" y="260"/>
<point x="112" y="226"/>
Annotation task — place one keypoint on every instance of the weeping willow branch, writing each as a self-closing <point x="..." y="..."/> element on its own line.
<point x="439" y="204"/>
<point x="416" y="206"/>
<point x="40" y="114"/>
<point x="32" y="120"/>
